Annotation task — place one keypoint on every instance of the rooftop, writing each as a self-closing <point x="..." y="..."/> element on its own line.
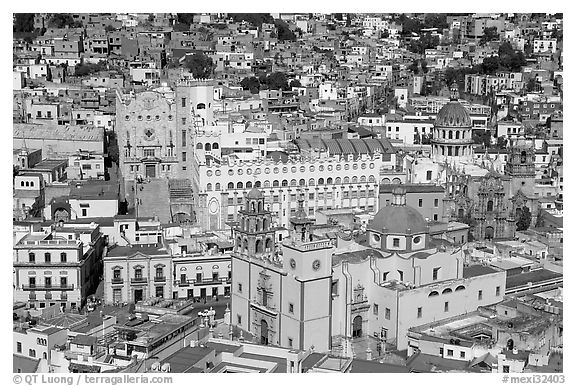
<point x="478" y="270"/>
<point x="58" y="132"/>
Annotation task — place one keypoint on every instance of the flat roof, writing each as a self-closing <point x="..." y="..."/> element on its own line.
<point x="130" y="250"/>
<point x="412" y="188"/>
<point x="183" y="360"/>
<point x="58" y="132"/>
<point x="478" y="270"/>
<point x="535" y="276"/>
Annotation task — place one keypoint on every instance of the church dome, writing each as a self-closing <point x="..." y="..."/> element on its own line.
<point x="399" y="220"/>
<point x="254" y="194"/>
<point x="453" y="114"/>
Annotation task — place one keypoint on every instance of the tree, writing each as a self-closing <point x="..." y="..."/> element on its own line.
<point x="531" y="85"/>
<point x="23" y="22"/>
<point x="490" y="65"/>
<point x="435" y="20"/>
<point x="524" y="219"/>
<point x="277" y="81"/>
<point x="284" y="31"/>
<point x="256" y="19"/>
<point x="185" y="18"/>
<point x="490" y="34"/>
<point x="251" y="83"/>
<point x="502" y="142"/>
<point x="63" y="20"/>
<point x="295" y="83"/>
<point x="113" y="152"/>
<point x="200" y="65"/>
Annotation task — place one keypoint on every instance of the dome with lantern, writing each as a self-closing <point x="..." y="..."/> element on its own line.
<point x="453" y="113"/>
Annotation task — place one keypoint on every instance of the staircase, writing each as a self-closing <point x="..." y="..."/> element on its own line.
<point x="153" y="200"/>
<point x="180" y="190"/>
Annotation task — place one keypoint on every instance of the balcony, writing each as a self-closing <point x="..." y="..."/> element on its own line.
<point x="63" y="295"/>
<point x="117" y="280"/>
<point x="47" y="288"/>
<point x="160" y="279"/>
<point x="48" y="295"/>
<point x="213" y="281"/>
<point x="139" y="280"/>
<point x="32" y="296"/>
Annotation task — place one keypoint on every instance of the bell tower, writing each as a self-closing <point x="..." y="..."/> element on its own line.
<point x="254" y="235"/>
<point x="520" y="167"/>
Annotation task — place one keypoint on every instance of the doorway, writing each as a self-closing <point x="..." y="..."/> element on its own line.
<point x="263" y="332"/>
<point x="203" y="293"/>
<point x="138" y="295"/>
<point x="489" y="233"/>
<point x="357" y="327"/>
<point x="150" y="171"/>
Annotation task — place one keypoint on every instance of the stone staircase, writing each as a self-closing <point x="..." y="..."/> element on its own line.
<point x="154" y="200"/>
<point x="180" y="190"/>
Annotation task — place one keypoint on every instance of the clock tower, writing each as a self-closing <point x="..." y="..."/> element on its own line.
<point x="308" y="263"/>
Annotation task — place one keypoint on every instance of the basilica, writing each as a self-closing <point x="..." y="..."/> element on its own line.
<point x="476" y="192"/>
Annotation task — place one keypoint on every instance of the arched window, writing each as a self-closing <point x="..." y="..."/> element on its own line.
<point x="245" y="245"/>
<point x="302" y="182"/>
<point x="266" y="184"/>
<point x="230" y="185"/>
<point x="320" y="181"/>
<point x="265" y="224"/>
<point x="490" y="206"/>
<point x="433" y="293"/>
<point x="346" y="180"/>
<point x="199" y="146"/>
<point x="311" y="182"/>
<point x="292" y="182"/>
<point x="209" y="187"/>
<point x="284" y="183"/>
<point x="338" y="180"/>
<point x="460" y="288"/>
<point x="260" y="206"/>
<point x="239" y="185"/>
<point x="215" y="146"/>
<point x="217" y="186"/>
<point x="248" y="184"/>
<point x="371" y="179"/>
<point x="457" y="134"/>
<point x="450" y="134"/>
<point x="200" y="106"/>
<point x="329" y="181"/>
<point x="447" y="291"/>
<point x="362" y="179"/>
<point x="275" y="183"/>
<point x="268" y="245"/>
<point x="523" y="157"/>
<point x="257" y="184"/>
<point x="259" y="246"/>
<point x="207" y="147"/>
<point x="354" y="180"/>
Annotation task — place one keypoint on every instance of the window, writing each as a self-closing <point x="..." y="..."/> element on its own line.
<point x="240" y="287"/>
<point x="239" y="319"/>
<point x="441" y="351"/>
<point x="435" y="273"/>
<point x="290" y="345"/>
<point x="384" y="276"/>
<point x="450" y="353"/>
<point x="31" y="257"/>
<point x="480" y="295"/>
<point x="84" y="212"/>
<point x="387" y="313"/>
<point x="429" y="175"/>
<point x="138" y="273"/>
<point x="445" y="306"/>
<point x="505" y="369"/>
<point x="462" y="354"/>
<point x="436" y="203"/>
<point x="63" y="257"/>
<point x="32" y="282"/>
<point x="199" y="277"/>
<point x="396" y="242"/>
<point x="498" y="291"/>
<point x="32" y="353"/>
<point x="291" y="308"/>
<point x="420" y="202"/>
<point x="335" y="288"/>
<point x="183" y="102"/>
<point x="401" y="275"/>
<point x="183" y="156"/>
<point x="419" y="314"/>
<point x="160" y="272"/>
<point x="47" y="257"/>
<point x="63" y="282"/>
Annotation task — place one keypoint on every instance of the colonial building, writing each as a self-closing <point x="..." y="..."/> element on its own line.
<point x="397" y="278"/>
<point x="59" y="266"/>
<point x="280" y="299"/>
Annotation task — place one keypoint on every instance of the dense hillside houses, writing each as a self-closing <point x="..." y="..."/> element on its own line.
<point x="287" y="193"/>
